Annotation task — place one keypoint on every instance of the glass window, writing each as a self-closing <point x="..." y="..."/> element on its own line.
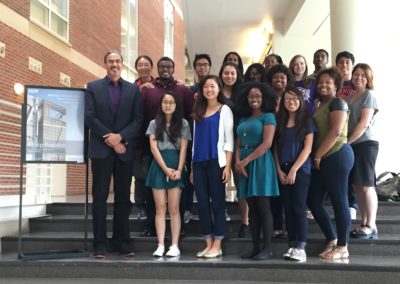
<point x="168" y="29"/>
<point x="51" y="14"/>
<point x="129" y="44"/>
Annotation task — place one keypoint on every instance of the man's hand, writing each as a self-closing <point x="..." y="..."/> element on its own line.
<point x="119" y="148"/>
<point x="112" y="139"/>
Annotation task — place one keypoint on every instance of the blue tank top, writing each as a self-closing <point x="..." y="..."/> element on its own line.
<point x="206" y="138"/>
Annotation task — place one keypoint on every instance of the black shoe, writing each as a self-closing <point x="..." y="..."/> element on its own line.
<point x="243" y="230"/>
<point x="125" y="249"/>
<point x="99" y="253"/>
<point x="250" y="254"/>
<point x="148" y="233"/>
<point x="263" y="255"/>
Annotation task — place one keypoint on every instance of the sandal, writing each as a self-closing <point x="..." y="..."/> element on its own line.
<point x="354" y="233"/>
<point x="329" y="247"/>
<point x="367" y="233"/>
<point x="336" y="253"/>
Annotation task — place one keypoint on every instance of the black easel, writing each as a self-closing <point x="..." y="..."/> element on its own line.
<point x="51" y="254"/>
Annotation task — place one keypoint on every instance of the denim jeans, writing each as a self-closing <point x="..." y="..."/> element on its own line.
<point x="332" y="178"/>
<point x="210" y="193"/>
<point x="294" y="201"/>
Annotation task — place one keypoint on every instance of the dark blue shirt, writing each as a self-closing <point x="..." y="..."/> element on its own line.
<point x="291" y="147"/>
<point x="206" y="138"/>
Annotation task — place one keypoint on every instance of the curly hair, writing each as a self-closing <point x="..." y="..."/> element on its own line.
<point x="334" y="74"/>
<point x="268" y="98"/>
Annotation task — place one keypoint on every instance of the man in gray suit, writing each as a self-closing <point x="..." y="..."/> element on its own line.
<point x="113" y="114"/>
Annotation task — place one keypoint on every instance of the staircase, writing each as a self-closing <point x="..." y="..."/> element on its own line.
<point x="371" y="261"/>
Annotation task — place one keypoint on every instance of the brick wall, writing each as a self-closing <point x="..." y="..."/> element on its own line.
<point x="14" y="68"/>
<point x="22" y="7"/>
<point x="95" y="27"/>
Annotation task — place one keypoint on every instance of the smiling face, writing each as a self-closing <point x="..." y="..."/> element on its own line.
<point x="279" y="81"/>
<point x="165" y="69"/>
<point x="202" y="68"/>
<point x="299" y="67"/>
<point x="143" y="67"/>
<point x="229" y="75"/>
<point x="113" y="65"/>
<point x="345" y="66"/>
<point x="210" y="89"/>
<point x="291" y="101"/>
<point x="254" y="99"/>
<point x="326" y="86"/>
<point x="168" y="104"/>
<point x="359" y="79"/>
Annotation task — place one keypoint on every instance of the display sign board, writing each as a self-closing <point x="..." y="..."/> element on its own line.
<point x="53" y="129"/>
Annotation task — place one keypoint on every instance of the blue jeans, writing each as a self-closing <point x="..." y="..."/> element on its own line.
<point x="294" y="201"/>
<point x="332" y="178"/>
<point x="210" y="193"/>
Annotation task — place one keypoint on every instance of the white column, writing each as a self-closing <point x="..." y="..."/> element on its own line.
<point x="369" y="30"/>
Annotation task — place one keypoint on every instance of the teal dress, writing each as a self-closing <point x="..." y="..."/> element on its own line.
<point x="262" y="178"/>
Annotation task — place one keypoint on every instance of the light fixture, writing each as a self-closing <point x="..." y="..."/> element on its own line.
<point x="19" y="89"/>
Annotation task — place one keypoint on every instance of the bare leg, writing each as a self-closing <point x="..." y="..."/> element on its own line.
<point x="160" y="200"/>
<point x="244" y="211"/>
<point x="174" y="196"/>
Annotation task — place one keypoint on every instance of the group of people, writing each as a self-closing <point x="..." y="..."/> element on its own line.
<point x="288" y="139"/>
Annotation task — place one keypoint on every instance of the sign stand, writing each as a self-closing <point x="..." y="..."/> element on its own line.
<point x="57" y="113"/>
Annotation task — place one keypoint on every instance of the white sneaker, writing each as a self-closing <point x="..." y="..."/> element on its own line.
<point x="288" y="254"/>
<point x="159" y="251"/>
<point x="173" y="251"/>
<point x="353" y="213"/>
<point x="298" y="255"/>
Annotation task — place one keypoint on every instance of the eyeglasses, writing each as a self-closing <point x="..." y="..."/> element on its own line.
<point x="295" y="100"/>
<point x="202" y="64"/>
<point x="168" y="103"/>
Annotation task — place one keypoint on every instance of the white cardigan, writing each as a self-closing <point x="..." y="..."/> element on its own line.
<point x="225" y="135"/>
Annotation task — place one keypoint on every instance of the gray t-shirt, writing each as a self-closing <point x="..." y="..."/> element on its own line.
<point x="366" y="100"/>
<point x="166" y="144"/>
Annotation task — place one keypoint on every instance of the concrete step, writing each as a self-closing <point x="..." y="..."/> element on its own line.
<point x="387" y="245"/>
<point x="75" y="223"/>
<point x="73" y="208"/>
<point x="359" y="269"/>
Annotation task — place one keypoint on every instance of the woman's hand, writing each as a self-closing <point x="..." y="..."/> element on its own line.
<point x="177" y="175"/>
<point x="226" y="175"/>
<point x="169" y="173"/>
<point x="240" y="169"/>
<point x="316" y="163"/>
<point x="291" y="177"/>
<point x="282" y="177"/>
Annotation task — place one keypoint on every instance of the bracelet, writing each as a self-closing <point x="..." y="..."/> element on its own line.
<point x="179" y="170"/>
<point x="316" y="159"/>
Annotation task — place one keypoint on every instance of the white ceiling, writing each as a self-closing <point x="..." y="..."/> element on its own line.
<point x="219" y="26"/>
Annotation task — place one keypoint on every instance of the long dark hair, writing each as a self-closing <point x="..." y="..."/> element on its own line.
<point x="200" y="104"/>
<point x="175" y="127"/>
<point x="301" y="119"/>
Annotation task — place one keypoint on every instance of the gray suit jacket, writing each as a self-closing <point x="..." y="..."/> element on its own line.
<point x="100" y="119"/>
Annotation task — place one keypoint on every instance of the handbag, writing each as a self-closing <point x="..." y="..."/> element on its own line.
<point x="141" y="167"/>
<point x="388" y="189"/>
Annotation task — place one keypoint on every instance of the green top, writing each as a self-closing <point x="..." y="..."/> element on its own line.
<point x="322" y="121"/>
